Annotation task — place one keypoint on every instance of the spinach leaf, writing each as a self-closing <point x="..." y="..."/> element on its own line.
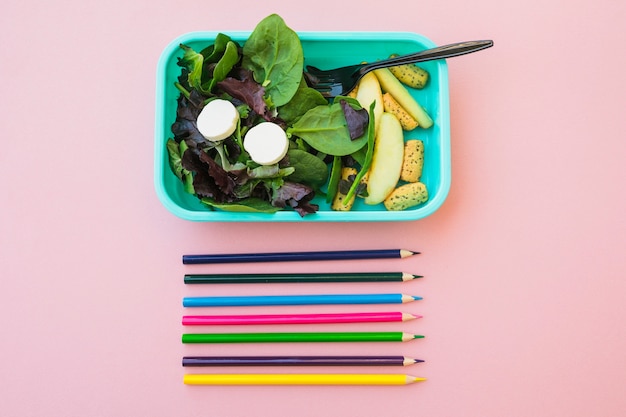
<point x="309" y="169"/>
<point x="304" y="100"/>
<point x="273" y="52"/>
<point x="325" y="129"/>
<point x="359" y="156"/>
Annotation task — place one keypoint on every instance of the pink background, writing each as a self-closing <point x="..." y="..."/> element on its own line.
<point x="524" y="283"/>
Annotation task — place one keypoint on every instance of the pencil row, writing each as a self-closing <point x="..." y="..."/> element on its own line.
<point x="300" y="337"/>
<point x="289" y="378"/>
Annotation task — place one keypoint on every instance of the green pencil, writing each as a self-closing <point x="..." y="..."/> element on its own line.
<point x="299" y="277"/>
<point x="298" y="337"/>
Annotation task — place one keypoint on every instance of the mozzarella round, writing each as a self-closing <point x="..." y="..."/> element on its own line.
<point x="217" y="120"/>
<point x="266" y="143"/>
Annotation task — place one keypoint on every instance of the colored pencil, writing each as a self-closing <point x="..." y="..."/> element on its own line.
<point x="299" y="277"/>
<point x="308" y="299"/>
<point x="299" y="379"/>
<point x="298" y="256"/>
<point x="289" y="337"/>
<point x="299" y="361"/>
<point x="369" y="317"/>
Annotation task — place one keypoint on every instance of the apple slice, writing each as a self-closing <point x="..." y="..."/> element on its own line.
<point x="369" y="91"/>
<point x="387" y="160"/>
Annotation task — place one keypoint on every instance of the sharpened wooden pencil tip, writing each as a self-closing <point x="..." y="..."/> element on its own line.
<point x="404" y="253"/>
<point x="408" y="277"/>
<point x="409" y="316"/>
<point x="411" y="379"/>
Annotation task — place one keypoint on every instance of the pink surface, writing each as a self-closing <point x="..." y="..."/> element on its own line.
<point x="523" y="265"/>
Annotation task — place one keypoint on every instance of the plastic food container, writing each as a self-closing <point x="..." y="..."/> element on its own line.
<point x="324" y="50"/>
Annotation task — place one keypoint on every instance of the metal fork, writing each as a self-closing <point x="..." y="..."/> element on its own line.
<point x="340" y="81"/>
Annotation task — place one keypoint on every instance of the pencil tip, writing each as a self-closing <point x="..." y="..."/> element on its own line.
<point x="415" y="297"/>
<point x="405" y="253"/>
<point x="406" y="276"/>
<point x="411" y="379"/>
<point x="418" y="336"/>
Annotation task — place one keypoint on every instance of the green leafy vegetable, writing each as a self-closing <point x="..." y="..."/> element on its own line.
<point x="325" y="129"/>
<point x="249" y="205"/>
<point x="273" y="52"/>
<point x="214" y="52"/>
<point x="264" y="79"/>
<point x="308" y="168"/>
<point x="225" y="64"/>
<point x="193" y="62"/>
<point x="175" y="151"/>
<point x="333" y="181"/>
<point x="304" y="100"/>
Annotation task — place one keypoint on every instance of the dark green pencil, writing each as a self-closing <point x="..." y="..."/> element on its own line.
<point x="299" y="277"/>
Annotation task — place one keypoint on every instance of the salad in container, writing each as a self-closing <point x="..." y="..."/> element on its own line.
<point x="242" y="134"/>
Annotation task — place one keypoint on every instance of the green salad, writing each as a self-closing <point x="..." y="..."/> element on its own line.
<point x="264" y="80"/>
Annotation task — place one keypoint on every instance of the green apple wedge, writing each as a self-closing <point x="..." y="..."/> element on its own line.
<point x="387" y="159"/>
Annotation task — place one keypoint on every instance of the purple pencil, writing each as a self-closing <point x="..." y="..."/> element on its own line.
<point x="299" y="361"/>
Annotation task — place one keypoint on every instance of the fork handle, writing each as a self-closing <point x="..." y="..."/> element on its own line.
<point x="440" y="52"/>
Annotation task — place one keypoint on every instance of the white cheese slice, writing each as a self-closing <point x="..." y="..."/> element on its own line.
<point x="266" y="143"/>
<point x="218" y="120"/>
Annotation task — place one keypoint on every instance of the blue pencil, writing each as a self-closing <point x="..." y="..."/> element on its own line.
<point x="310" y="299"/>
<point x="298" y="256"/>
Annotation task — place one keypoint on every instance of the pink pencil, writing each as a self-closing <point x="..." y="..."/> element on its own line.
<point x="298" y="318"/>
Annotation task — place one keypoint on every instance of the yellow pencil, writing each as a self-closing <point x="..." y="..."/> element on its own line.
<point x="300" y="379"/>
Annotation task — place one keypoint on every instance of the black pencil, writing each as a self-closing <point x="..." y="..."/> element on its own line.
<point x="298" y="256"/>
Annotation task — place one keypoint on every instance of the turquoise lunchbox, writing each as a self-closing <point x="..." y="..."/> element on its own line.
<point x="324" y="50"/>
